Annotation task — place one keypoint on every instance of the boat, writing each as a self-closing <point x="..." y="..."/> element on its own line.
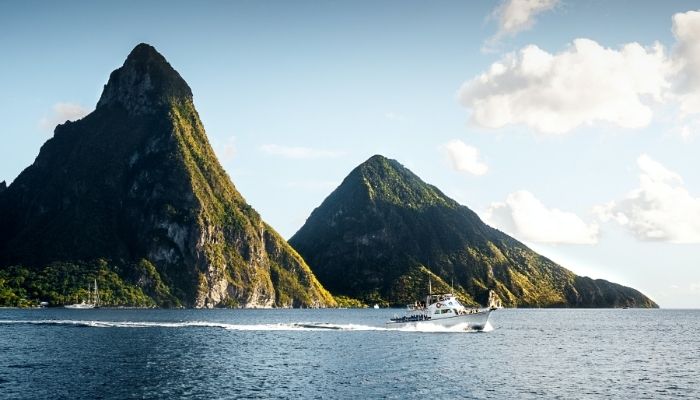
<point x="445" y="310"/>
<point x="92" y="302"/>
<point x="376" y="306"/>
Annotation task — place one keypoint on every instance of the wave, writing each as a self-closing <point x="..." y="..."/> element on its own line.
<point x="435" y="328"/>
<point x="301" y="326"/>
<point x="297" y="326"/>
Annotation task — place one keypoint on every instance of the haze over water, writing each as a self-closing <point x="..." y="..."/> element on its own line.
<point x="573" y="353"/>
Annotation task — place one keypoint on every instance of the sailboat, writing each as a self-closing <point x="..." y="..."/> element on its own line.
<point x="93" y="300"/>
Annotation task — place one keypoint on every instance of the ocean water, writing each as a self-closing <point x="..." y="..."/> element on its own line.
<point x="346" y="354"/>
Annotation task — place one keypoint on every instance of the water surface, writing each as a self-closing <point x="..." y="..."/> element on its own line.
<point x="124" y="354"/>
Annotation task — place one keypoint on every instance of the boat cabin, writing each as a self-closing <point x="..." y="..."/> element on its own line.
<point x="440" y="306"/>
<point x="444" y="306"/>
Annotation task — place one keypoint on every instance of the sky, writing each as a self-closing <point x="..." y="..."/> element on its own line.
<point x="572" y="126"/>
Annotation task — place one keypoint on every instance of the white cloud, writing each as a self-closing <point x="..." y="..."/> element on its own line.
<point x="686" y="61"/>
<point x="524" y="216"/>
<point x="60" y="113"/>
<point x="226" y="151"/>
<point x="464" y="158"/>
<point x="518" y="15"/>
<point x="555" y="93"/>
<point x="296" y="152"/>
<point x="661" y="209"/>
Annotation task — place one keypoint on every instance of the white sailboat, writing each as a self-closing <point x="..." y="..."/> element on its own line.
<point x="93" y="300"/>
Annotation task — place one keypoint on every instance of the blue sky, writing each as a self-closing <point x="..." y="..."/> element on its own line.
<point x="574" y="126"/>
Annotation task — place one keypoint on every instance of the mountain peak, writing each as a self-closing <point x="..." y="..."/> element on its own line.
<point x="377" y="158"/>
<point x="389" y="181"/>
<point x="379" y="161"/>
<point x="144" y="52"/>
<point x="145" y="82"/>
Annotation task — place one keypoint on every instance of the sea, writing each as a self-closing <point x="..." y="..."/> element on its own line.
<point x="57" y="353"/>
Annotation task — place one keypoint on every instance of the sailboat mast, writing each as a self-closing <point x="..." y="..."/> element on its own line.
<point x="97" y="296"/>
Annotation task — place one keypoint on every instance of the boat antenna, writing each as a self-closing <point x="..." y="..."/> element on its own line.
<point x="430" y="286"/>
<point x="452" y="284"/>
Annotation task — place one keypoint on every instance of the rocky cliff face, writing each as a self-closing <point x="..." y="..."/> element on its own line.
<point x="384" y="233"/>
<point x="137" y="180"/>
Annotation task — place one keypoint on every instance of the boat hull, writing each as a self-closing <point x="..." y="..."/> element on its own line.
<point x="475" y="321"/>
<point x="80" y="306"/>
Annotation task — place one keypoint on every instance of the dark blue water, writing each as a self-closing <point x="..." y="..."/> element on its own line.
<point x="211" y="354"/>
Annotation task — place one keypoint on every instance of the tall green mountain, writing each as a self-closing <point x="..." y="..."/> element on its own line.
<point x="135" y="186"/>
<point x="384" y="233"/>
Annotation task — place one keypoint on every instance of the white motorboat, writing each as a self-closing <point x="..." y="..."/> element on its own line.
<point x="446" y="311"/>
<point x="92" y="302"/>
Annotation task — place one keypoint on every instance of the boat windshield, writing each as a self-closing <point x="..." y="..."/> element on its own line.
<point x="434" y="298"/>
<point x="449" y="298"/>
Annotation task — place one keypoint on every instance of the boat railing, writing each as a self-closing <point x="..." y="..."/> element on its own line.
<point x="411" y="318"/>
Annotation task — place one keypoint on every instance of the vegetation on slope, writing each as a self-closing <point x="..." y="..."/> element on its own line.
<point x="64" y="283"/>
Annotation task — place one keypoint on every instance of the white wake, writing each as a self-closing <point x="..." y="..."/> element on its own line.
<point x="295" y="326"/>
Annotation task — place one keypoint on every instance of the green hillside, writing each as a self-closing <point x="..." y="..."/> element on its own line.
<point x="383" y="233"/>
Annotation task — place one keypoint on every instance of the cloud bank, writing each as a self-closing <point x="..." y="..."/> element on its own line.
<point x="587" y="83"/>
<point x="686" y="61"/>
<point x="660" y="209"/>
<point x="524" y="216"/>
<point x="555" y="93"/>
